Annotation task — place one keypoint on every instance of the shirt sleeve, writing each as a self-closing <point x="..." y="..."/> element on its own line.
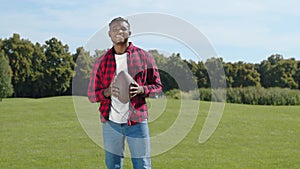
<point x="153" y="85"/>
<point x="95" y="92"/>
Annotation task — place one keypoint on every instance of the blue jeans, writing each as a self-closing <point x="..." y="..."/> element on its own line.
<point x="138" y="139"/>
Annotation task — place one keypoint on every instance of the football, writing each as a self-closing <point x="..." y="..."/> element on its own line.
<point x="123" y="81"/>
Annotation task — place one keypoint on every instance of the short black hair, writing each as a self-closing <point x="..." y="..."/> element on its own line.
<point x="119" y="19"/>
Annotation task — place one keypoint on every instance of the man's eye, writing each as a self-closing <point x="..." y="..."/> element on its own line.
<point x="118" y="29"/>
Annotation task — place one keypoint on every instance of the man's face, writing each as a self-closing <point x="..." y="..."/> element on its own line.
<point x="119" y="32"/>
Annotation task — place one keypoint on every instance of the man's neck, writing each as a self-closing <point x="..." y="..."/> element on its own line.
<point x="121" y="48"/>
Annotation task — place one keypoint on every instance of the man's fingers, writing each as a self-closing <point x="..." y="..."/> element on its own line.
<point x="133" y="95"/>
<point x="115" y="91"/>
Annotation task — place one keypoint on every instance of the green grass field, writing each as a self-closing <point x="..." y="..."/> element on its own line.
<point x="45" y="133"/>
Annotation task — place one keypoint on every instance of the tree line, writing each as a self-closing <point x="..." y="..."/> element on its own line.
<point x="41" y="70"/>
<point x="275" y="71"/>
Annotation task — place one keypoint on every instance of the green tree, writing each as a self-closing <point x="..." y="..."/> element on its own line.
<point x="180" y="72"/>
<point x="297" y="74"/>
<point x="37" y="77"/>
<point x="275" y="59"/>
<point x="58" y="67"/>
<point x="284" y="72"/>
<point x="84" y="65"/>
<point x="266" y="69"/>
<point x="200" y="73"/>
<point x="166" y="78"/>
<point x="99" y="53"/>
<point x="246" y="75"/>
<point x="230" y="72"/>
<point x="19" y="52"/>
<point x="193" y="66"/>
<point x="279" y="72"/>
<point x="216" y="72"/>
<point x="6" y="88"/>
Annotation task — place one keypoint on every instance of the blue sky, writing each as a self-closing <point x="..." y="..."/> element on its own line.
<point x="239" y="30"/>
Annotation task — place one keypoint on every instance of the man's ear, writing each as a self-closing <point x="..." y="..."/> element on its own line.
<point x="109" y="34"/>
<point x="129" y="32"/>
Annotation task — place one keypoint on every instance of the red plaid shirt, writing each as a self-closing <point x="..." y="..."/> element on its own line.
<point x="141" y="66"/>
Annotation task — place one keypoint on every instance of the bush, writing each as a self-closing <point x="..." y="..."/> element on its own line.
<point x="174" y="94"/>
<point x="263" y="96"/>
<point x="246" y="95"/>
<point x="178" y="94"/>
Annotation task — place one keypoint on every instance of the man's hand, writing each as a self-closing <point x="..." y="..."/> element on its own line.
<point x="135" y="89"/>
<point x="112" y="90"/>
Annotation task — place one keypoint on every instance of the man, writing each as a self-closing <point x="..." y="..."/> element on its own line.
<point x="120" y="120"/>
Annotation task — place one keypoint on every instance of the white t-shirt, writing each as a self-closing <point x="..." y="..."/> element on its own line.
<point x="119" y="111"/>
